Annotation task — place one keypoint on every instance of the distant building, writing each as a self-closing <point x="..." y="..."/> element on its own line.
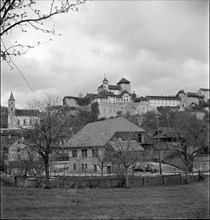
<point x="156" y="101"/>
<point x="205" y="93"/>
<point x="20" y="118"/>
<point x="189" y="99"/>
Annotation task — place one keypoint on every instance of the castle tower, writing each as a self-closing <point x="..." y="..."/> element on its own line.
<point x="125" y="85"/>
<point x="105" y="84"/>
<point x="11" y="112"/>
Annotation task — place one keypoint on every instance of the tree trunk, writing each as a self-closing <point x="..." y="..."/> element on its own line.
<point x="126" y="178"/>
<point x="47" y="173"/>
<point x="102" y="171"/>
<point x="187" y="174"/>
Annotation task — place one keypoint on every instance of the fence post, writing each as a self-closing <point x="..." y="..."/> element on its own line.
<point x="164" y="181"/>
<point x="180" y="177"/>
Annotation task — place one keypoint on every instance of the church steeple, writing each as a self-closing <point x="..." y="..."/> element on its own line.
<point x="11" y="98"/>
<point x="11" y="111"/>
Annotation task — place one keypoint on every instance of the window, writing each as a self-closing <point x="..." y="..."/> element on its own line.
<point x="75" y="166"/>
<point x="94" y="152"/>
<point x="74" y="153"/>
<point x="95" y="168"/>
<point x="109" y="169"/>
<point x="83" y="167"/>
<point x="18" y="121"/>
<point x="30" y="121"/>
<point x="84" y="153"/>
<point x="139" y="137"/>
<point x="24" y="121"/>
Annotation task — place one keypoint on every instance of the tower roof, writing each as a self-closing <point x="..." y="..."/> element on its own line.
<point x="123" y="80"/>
<point x="105" y="79"/>
<point x="11" y="98"/>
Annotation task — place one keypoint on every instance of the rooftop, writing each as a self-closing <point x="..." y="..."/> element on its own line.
<point x="100" y="132"/>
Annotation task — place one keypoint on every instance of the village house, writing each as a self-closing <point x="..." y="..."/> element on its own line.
<point x="92" y="141"/>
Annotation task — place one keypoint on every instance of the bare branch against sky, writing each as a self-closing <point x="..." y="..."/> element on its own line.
<point x="159" y="46"/>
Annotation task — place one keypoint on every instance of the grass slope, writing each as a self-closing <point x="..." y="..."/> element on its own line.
<point x="182" y="201"/>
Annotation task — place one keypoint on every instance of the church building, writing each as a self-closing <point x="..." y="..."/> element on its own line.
<point x="20" y="118"/>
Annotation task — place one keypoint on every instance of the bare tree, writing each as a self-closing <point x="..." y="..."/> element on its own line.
<point x="102" y="158"/>
<point x="30" y="163"/>
<point x="191" y="135"/>
<point x="126" y="154"/>
<point x="54" y="125"/>
<point x="25" y="14"/>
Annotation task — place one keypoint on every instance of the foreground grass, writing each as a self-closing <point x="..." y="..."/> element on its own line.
<point x="181" y="201"/>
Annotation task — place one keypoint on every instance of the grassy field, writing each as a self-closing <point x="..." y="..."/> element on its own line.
<point x="181" y="201"/>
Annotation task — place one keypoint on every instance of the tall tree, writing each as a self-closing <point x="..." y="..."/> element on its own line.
<point x="26" y="14"/>
<point x="125" y="154"/>
<point x="191" y="135"/>
<point x="55" y="123"/>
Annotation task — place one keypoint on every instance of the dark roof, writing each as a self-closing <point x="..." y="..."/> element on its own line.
<point x="168" y="132"/>
<point x="26" y="112"/>
<point x="80" y="101"/>
<point x="140" y="99"/>
<point x="111" y="87"/>
<point x="204" y="89"/>
<point x="100" y="132"/>
<point x="114" y="87"/>
<point x="11" y="98"/>
<point x="123" y="80"/>
<point x="90" y="96"/>
<point x="104" y="94"/>
<point x="163" y="97"/>
<point x="193" y="94"/>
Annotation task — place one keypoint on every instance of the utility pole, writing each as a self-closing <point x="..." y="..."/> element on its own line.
<point x="158" y="143"/>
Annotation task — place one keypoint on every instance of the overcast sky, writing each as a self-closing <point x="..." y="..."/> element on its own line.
<point x="159" y="46"/>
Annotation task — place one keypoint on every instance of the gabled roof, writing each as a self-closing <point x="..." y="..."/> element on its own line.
<point x="123" y="80"/>
<point x="100" y="132"/>
<point x="26" y="112"/>
<point x="126" y="146"/>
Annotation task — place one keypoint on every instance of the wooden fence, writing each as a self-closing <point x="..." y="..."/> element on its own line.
<point x="110" y="181"/>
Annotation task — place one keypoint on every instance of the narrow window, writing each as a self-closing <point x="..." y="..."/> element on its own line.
<point x="24" y="121"/>
<point x="74" y="153"/>
<point x="75" y="166"/>
<point x="95" y="168"/>
<point x="140" y="138"/>
<point x="83" y="167"/>
<point x="109" y="169"/>
<point x="84" y="153"/>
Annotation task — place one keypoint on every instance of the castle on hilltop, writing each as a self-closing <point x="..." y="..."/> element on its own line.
<point x="115" y="100"/>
